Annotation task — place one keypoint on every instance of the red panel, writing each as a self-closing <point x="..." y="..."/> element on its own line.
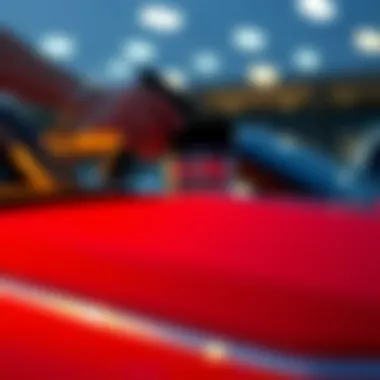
<point x="146" y="117"/>
<point x="293" y="276"/>
<point x="37" y="345"/>
<point x="25" y="74"/>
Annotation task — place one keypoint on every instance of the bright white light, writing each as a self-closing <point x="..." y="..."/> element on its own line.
<point x="249" y="38"/>
<point x="206" y="63"/>
<point x="139" y="51"/>
<point x="59" y="46"/>
<point x="175" y="78"/>
<point x="366" y="40"/>
<point x="263" y="75"/>
<point x="306" y="60"/>
<point x="161" y="18"/>
<point x="318" y="11"/>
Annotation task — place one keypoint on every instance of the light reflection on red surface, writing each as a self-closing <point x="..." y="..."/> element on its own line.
<point x="53" y="344"/>
<point x="167" y="257"/>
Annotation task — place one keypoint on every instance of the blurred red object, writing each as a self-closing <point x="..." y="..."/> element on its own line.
<point x="147" y="118"/>
<point x="293" y="276"/>
<point x="36" y="344"/>
<point x="197" y="172"/>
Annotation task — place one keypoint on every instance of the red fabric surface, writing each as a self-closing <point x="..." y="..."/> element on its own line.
<point x="292" y="276"/>
<point x="146" y="118"/>
<point x="37" y="345"/>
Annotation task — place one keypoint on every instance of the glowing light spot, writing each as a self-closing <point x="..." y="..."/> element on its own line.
<point x="175" y="78"/>
<point x="248" y="38"/>
<point x="161" y="18"/>
<point x="318" y="11"/>
<point x="139" y="51"/>
<point x="215" y="351"/>
<point x="59" y="46"/>
<point x="306" y="59"/>
<point x="206" y="63"/>
<point x="366" y="40"/>
<point x="263" y="75"/>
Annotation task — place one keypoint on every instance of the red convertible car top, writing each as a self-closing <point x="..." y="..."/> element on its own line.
<point x="292" y="277"/>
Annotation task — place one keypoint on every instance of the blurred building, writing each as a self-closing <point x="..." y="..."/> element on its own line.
<point x="333" y="113"/>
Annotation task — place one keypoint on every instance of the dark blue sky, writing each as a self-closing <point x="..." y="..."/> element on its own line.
<point x="193" y="40"/>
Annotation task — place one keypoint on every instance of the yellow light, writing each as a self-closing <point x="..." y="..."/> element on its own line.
<point x="215" y="351"/>
<point x="263" y="75"/>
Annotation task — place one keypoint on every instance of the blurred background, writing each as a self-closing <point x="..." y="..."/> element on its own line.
<point x="284" y="99"/>
<point x="308" y="70"/>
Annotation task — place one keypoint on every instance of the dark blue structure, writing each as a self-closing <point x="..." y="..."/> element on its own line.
<point x="310" y="170"/>
<point x="13" y="126"/>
